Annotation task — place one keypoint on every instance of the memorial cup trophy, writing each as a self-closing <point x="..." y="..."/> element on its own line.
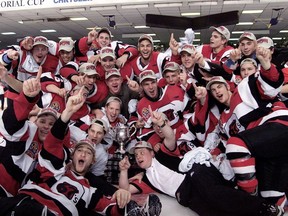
<point x="122" y="136"/>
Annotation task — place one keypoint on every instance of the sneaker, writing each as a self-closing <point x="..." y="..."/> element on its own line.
<point x="133" y="209"/>
<point x="153" y="205"/>
<point x="271" y="210"/>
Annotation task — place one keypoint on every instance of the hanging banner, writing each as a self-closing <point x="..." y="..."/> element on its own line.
<point x="13" y="5"/>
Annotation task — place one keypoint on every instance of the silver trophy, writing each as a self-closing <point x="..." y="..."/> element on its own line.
<point x="122" y="136"/>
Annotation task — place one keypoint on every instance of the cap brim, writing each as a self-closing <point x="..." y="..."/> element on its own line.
<point x="35" y="44"/>
<point x="47" y="113"/>
<point x="148" y="77"/>
<point x="213" y="82"/>
<point x="66" y="49"/>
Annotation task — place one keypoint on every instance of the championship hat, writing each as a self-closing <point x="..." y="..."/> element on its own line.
<point x="215" y="79"/>
<point x="146" y="74"/>
<point x="107" y="51"/>
<point x="140" y="144"/>
<point x="222" y="30"/>
<point x="88" y="69"/>
<point x="112" y="72"/>
<point x="41" y="40"/>
<point x="48" y="111"/>
<point x="66" y="44"/>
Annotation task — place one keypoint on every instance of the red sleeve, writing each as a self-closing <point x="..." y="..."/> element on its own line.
<point x="46" y="82"/>
<point x="133" y="51"/>
<point x="68" y="71"/>
<point x="176" y="58"/>
<point x="22" y="107"/>
<point x="82" y="45"/>
<point x="201" y="112"/>
<point x="162" y="83"/>
<point x="271" y="74"/>
<point x="142" y="187"/>
<point x="154" y="139"/>
<point x="51" y="63"/>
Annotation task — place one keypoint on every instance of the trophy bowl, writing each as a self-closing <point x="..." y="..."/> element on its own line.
<point x="122" y="136"/>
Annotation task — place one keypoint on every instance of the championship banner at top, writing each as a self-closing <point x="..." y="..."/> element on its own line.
<point x="13" y="5"/>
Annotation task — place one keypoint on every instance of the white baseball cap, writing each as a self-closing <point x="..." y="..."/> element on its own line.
<point x="112" y="72"/>
<point x="187" y="48"/>
<point x="102" y="123"/>
<point x="107" y="51"/>
<point x="171" y="66"/>
<point x="48" y="111"/>
<point x="147" y="74"/>
<point x="66" y="44"/>
<point x="248" y="35"/>
<point x="140" y="144"/>
<point x="265" y="42"/>
<point x="216" y="79"/>
<point x="41" y="40"/>
<point x="88" y="69"/>
<point x="145" y="37"/>
<point x="222" y="30"/>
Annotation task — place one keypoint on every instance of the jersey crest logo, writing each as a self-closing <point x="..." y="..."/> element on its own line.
<point x="233" y="128"/>
<point x="67" y="189"/>
<point x="55" y="105"/>
<point x="33" y="149"/>
<point x="145" y="113"/>
<point x="170" y="114"/>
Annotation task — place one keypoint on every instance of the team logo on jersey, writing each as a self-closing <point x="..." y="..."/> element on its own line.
<point x="170" y="114"/>
<point x="33" y="149"/>
<point x="184" y="147"/>
<point x="67" y="189"/>
<point x="233" y="126"/>
<point x="55" y="105"/>
<point x="145" y="113"/>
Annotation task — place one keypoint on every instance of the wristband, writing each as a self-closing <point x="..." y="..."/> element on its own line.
<point x="6" y="58"/>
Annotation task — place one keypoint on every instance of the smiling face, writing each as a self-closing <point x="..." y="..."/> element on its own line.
<point x="66" y="56"/>
<point x="103" y="39"/>
<point x="150" y="87"/>
<point x="247" y="47"/>
<point x="112" y="110"/>
<point x="114" y="84"/>
<point x="187" y="60"/>
<point x="44" y="124"/>
<point x="108" y="63"/>
<point x="143" y="157"/>
<point x="39" y="52"/>
<point x="82" y="159"/>
<point x="145" y="49"/>
<point x="221" y="92"/>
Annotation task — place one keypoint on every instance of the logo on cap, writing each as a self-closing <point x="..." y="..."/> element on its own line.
<point x="107" y="51"/>
<point x="112" y="72"/>
<point x="40" y="40"/>
<point x="147" y="74"/>
<point x="146" y="37"/>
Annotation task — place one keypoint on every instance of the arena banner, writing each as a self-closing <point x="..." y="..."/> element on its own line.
<point x="13" y="5"/>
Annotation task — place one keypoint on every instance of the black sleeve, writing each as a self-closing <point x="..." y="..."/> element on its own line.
<point x="102" y="185"/>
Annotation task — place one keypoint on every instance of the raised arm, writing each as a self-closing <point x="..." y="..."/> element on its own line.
<point x="169" y="136"/>
<point x="9" y="80"/>
<point x="124" y="165"/>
